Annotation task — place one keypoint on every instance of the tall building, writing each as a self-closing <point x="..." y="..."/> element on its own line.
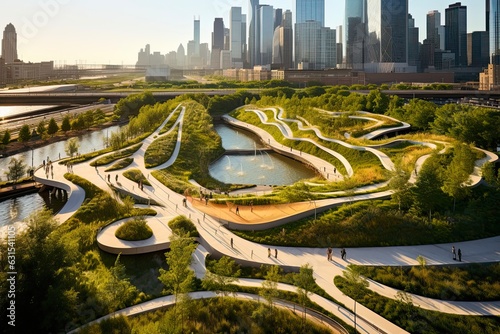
<point x="196" y="38"/>
<point x="253" y="33"/>
<point x="3" y="72"/>
<point x="237" y="33"/>
<point x="355" y="33"/>
<point x="9" y="44"/>
<point x="413" y="43"/>
<point x="387" y="38"/>
<point x="456" y="32"/>
<point x="217" y="42"/>
<point x="310" y="10"/>
<point x="433" y="24"/>
<point x="315" y="46"/>
<point x="283" y="43"/>
<point x="266" y="31"/>
<point x="478" y="52"/>
<point x="181" y="57"/>
<point x="488" y="15"/>
<point x="278" y="17"/>
<point x="494" y="31"/>
<point x="340" y="44"/>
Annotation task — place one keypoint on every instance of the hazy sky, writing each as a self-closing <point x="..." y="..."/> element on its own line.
<point x="113" y="31"/>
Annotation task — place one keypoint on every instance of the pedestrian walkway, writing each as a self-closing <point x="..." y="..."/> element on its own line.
<point x="212" y="222"/>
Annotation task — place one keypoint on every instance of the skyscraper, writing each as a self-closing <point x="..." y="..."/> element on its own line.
<point x="236" y="30"/>
<point x="456" y="32"/>
<point x="387" y="42"/>
<point x="413" y="45"/>
<point x="433" y="24"/>
<point x="266" y="31"/>
<point x="253" y="33"/>
<point x="9" y="44"/>
<point x="196" y="38"/>
<point x="355" y="33"/>
<point x="315" y="46"/>
<point x="283" y="43"/>
<point x="310" y="10"/>
<point x="217" y="42"/>
<point x="494" y="31"/>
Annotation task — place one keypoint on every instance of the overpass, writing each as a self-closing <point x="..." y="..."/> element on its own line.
<point x="79" y="98"/>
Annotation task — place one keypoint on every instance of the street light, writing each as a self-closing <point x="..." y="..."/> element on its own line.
<point x="314" y="202"/>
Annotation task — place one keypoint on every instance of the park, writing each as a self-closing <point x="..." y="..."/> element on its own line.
<point x="395" y="191"/>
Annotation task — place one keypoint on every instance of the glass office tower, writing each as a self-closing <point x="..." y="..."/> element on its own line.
<point x="310" y="10"/>
<point x="355" y="33"/>
<point x="456" y="32"/>
<point x="387" y="40"/>
<point x="494" y="31"/>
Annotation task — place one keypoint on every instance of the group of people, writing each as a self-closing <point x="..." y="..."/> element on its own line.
<point x="269" y="253"/>
<point x="459" y="253"/>
<point x="329" y="254"/>
<point x="49" y="168"/>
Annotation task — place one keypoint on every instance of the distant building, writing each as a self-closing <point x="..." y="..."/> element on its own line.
<point x="355" y="33"/>
<point x="310" y="10"/>
<point x="478" y="52"/>
<point x="157" y="73"/>
<point x="217" y="42"/>
<point x="266" y="32"/>
<point x="253" y="54"/>
<point x="413" y="43"/>
<point x="387" y="36"/>
<point x="456" y="32"/>
<point x="9" y="44"/>
<point x="315" y="46"/>
<point x="283" y="43"/>
<point x="181" y="57"/>
<point x="340" y="45"/>
<point x="19" y="71"/>
<point x="237" y="37"/>
<point x="3" y="73"/>
<point x="145" y="58"/>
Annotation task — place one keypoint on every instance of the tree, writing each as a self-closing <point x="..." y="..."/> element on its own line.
<point x="457" y="173"/>
<point x="305" y="283"/>
<point x="6" y="137"/>
<point x="72" y="146"/>
<point x="356" y="284"/>
<point x="427" y="192"/>
<point x="52" y="127"/>
<point x="17" y="168"/>
<point x="66" y="124"/>
<point x="399" y="184"/>
<point x="179" y="278"/>
<point x="44" y="279"/>
<point x="41" y="128"/>
<point x="269" y="289"/>
<point x="491" y="176"/>
<point x="24" y="133"/>
<point x="222" y="274"/>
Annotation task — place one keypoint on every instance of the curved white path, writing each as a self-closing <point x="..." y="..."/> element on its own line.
<point x="217" y="238"/>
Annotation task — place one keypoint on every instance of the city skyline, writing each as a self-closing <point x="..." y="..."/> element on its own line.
<point x="119" y="30"/>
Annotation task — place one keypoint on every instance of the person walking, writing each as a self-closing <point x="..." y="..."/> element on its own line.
<point x="459" y="255"/>
<point x="329" y="254"/>
<point x="275" y="253"/>
<point x="268" y="252"/>
<point x="231" y="242"/>
<point x="238" y="210"/>
<point x="453" y="252"/>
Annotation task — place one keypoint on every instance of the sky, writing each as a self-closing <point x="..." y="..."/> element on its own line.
<point x="113" y="31"/>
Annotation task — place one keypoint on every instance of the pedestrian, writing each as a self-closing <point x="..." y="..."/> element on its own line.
<point x="109" y="176"/>
<point x="275" y="253"/>
<point x="453" y="252"/>
<point x="343" y="253"/>
<point x="251" y="206"/>
<point x="459" y="255"/>
<point x="268" y="252"/>
<point x="329" y="254"/>
<point x="206" y="200"/>
<point x="116" y="178"/>
<point x="231" y="242"/>
<point x="238" y="210"/>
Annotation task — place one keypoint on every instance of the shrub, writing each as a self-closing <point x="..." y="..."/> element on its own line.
<point x="134" y="230"/>
<point x="181" y="225"/>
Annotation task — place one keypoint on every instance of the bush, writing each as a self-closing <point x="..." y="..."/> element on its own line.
<point x="134" y="230"/>
<point x="181" y="225"/>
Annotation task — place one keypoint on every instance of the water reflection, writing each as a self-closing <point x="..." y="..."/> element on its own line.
<point x="260" y="168"/>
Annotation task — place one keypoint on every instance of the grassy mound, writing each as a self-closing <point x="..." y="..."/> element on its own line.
<point x="134" y="230"/>
<point x="181" y="225"/>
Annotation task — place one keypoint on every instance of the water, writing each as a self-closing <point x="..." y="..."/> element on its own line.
<point x="17" y="209"/>
<point x="11" y="111"/>
<point x="89" y="142"/>
<point x="259" y="168"/>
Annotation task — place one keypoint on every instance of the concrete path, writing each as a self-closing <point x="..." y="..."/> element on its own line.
<point x="217" y="240"/>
